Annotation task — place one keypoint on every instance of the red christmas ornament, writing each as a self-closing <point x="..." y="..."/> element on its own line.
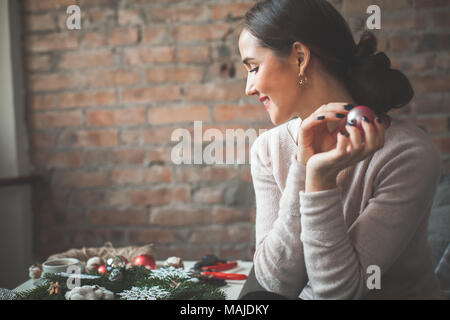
<point x="356" y="115"/>
<point x="101" y="269"/>
<point x="145" y="260"/>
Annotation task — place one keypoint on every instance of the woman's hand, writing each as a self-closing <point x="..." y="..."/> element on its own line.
<point x="351" y="148"/>
<point x="314" y="136"/>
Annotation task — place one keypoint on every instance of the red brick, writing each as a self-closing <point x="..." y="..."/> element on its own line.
<point x="155" y="94"/>
<point x="88" y="99"/>
<point x="207" y="32"/>
<point x="159" y="155"/>
<point x="142" y="176"/>
<point x="120" y="117"/>
<point x="88" y="198"/>
<point x="230" y="10"/>
<point x="118" y="217"/>
<point x="432" y="83"/>
<point x="129" y="17"/>
<point x="111" y="78"/>
<point x="52" y="42"/>
<point x="161" y="115"/>
<point x="49" y="82"/>
<point x="143" y="136"/>
<point x="113" y="157"/>
<point x="139" y="56"/>
<point x="160" y="196"/>
<point x="76" y="60"/>
<point x="47" y="120"/>
<point x="94" y="39"/>
<point x="420" y="4"/>
<point x="33" y="5"/>
<point x="118" y="198"/>
<point x="220" y="235"/>
<point x="429" y="103"/>
<point x="81" y="179"/>
<point x="39" y="62"/>
<point x="240" y="112"/>
<point x="433" y="125"/>
<point x="177" y="14"/>
<point x="196" y="54"/>
<point x="152" y="235"/>
<point x="443" y="144"/>
<point x="40" y="22"/>
<point x="155" y="34"/>
<point x="42" y="141"/>
<point x="94" y="138"/>
<point x="208" y="195"/>
<point x="230" y="215"/>
<point x="123" y="36"/>
<point x="214" y="92"/>
<point x="63" y="160"/>
<point x="177" y="216"/>
<point x="360" y="6"/>
<point x="175" y="74"/>
<point x="44" y="102"/>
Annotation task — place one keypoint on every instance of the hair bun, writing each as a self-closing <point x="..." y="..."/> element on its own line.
<point x="367" y="45"/>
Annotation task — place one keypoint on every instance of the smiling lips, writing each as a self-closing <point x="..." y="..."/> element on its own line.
<point x="266" y="101"/>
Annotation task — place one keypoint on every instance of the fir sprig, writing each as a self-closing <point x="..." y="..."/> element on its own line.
<point x="134" y="277"/>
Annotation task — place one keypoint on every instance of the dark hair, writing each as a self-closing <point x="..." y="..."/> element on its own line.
<point x="277" y="24"/>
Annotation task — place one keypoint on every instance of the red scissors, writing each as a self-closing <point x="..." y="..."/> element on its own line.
<point x="225" y="276"/>
<point x="221" y="266"/>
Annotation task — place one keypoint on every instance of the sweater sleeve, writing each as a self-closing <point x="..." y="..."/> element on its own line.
<point x="278" y="260"/>
<point x="337" y="257"/>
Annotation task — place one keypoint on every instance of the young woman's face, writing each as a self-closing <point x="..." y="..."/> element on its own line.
<point x="272" y="80"/>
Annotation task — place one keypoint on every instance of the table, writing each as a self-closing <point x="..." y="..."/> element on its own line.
<point x="232" y="289"/>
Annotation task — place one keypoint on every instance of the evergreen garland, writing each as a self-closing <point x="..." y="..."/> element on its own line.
<point x="135" y="277"/>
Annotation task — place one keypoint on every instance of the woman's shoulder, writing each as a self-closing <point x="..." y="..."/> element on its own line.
<point x="404" y="134"/>
<point x="405" y="142"/>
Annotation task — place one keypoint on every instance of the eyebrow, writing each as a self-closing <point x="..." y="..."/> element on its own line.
<point x="246" y="60"/>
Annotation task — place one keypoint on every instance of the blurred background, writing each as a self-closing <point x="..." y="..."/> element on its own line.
<point x="87" y="117"/>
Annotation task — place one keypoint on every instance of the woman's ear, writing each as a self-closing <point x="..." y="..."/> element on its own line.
<point x="302" y="55"/>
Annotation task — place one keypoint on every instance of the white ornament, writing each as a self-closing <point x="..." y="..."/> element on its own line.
<point x="175" y="262"/>
<point x="35" y="271"/>
<point x="89" y="293"/>
<point x="143" y="293"/>
<point x="170" y="273"/>
<point x="93" y="263"/>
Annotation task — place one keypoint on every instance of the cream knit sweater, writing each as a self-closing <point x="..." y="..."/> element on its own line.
<point x="329" y="244"/>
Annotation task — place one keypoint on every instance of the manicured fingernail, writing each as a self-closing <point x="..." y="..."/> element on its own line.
<point x="340" y="115"/>
<point x="352" y="123"/>
<point x="344" y="133"/>
<point x="366" y="119"/>
<point x="378" y="119"/>
<point x="349" y="107"/>
<point x="321" y="118"/>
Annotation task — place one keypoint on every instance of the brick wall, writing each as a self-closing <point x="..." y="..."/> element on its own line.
<point x="103" y="102"/>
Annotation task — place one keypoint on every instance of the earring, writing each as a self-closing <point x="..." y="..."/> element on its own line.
<point x="302" y="80"/>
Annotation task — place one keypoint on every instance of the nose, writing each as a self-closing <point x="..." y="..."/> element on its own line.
<point x="250" y="89"/>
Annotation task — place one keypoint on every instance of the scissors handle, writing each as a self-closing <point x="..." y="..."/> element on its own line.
<point x="221" y="266"/>
<point x="225" y="276"/>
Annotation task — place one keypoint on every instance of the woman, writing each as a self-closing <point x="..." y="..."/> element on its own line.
<point x="340" y="215"/>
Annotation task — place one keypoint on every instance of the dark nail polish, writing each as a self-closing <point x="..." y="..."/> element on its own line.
<point x="352" y="123"/>
<point x="366" y="119"/>
<point x="349" y="107"/>
<point x="321" y="118"/>
<point x="340" y="115"/>
<point x="344" y="133"/>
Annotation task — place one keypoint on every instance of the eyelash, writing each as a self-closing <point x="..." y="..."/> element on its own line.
<point x="254" y="69"/>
